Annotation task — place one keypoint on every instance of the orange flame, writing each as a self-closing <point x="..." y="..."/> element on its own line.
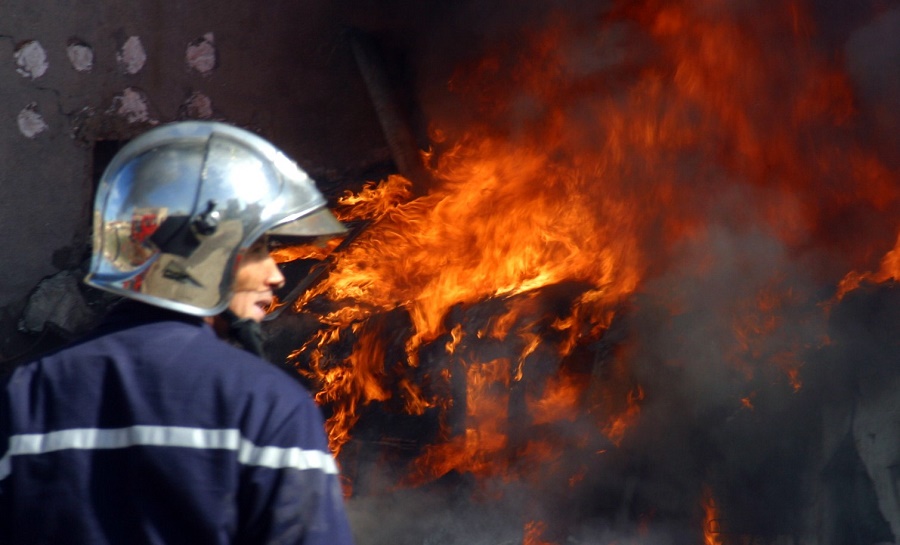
<point x="889" y="269"/>
<point x="618" y="424"/>
<point x="487" y="402"/>
<point x="317" y="251"/>
<point x="558" y="402"/>
<point x="359" y="375"/>
<point x="711" y="529"/>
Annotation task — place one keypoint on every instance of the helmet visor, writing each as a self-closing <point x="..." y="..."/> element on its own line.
<point x="320" y="223"/>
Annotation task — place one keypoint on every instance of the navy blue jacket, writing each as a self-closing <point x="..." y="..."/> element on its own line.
<point x="153" y="431"/>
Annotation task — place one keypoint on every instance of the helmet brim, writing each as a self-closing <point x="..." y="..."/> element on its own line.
<point x="319" y="223"/>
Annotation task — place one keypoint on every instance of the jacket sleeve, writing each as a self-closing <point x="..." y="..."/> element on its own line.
<point x="290" y="491"/>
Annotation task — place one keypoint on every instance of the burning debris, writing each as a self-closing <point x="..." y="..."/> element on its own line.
<point x="611" y="316"/>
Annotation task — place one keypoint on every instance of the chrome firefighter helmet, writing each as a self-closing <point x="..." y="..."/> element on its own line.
<point x="178" y="206"/>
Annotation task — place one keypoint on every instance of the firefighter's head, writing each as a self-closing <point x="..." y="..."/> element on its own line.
<point x="184" y="208"/>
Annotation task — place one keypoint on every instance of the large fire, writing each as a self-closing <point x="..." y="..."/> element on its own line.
<point x="693" y="170"/>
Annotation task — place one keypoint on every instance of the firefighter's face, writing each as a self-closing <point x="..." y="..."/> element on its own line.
<point x="255" y="282"/>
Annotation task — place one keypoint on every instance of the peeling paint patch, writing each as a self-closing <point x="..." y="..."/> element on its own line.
<point x="201" y="54"/>
<point x="132" y="104"/>
<point x="131" y="55"/>
<point x="197" y="106"/>
<point x="80" y="55"/>
<point x="30" y="121"/>
<point x="31" y="59"/>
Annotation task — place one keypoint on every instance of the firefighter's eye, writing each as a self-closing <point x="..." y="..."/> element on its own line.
<point x="273" y="244"/>
<point x="259" y="248"/>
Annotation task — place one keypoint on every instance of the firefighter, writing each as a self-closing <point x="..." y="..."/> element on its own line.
<point x="151" y="429"/>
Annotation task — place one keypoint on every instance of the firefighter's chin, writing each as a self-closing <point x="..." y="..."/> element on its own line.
<point x="251" y="305"/>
